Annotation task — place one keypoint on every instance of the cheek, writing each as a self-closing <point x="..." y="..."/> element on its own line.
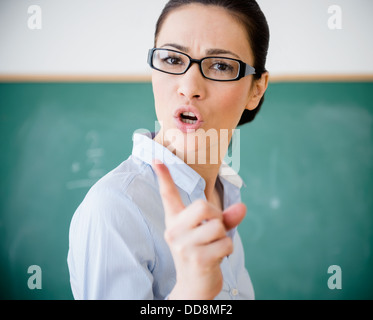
<point x="231" y="101"/>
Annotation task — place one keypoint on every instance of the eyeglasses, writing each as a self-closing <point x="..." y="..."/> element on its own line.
<point x="213" y="68"/>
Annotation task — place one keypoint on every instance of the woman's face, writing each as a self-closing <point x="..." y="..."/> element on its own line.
<point x="200" y="31"/>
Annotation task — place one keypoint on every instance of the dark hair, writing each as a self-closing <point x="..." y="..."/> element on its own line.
<point x="251" y="16"/>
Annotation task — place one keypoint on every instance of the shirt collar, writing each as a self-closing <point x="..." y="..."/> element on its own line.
<point x="228" y="174"/>
<point x="146" y="149"/>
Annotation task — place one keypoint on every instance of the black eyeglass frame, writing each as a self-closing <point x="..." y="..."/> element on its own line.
<point x="245" y="69"/>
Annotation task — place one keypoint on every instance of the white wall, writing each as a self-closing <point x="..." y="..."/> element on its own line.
<point x="111" y="37"/>
<point x="302" y="42"/>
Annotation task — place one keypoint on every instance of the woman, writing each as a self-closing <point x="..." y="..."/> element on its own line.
<point x="154" y="229"/>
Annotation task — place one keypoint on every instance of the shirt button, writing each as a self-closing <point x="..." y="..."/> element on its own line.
<point x="234" y="292"/>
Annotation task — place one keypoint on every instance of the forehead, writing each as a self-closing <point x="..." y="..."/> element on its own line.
<point x="202" y="27"/>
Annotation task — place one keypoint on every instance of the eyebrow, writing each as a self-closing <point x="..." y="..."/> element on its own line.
<point x="208" y="52"/>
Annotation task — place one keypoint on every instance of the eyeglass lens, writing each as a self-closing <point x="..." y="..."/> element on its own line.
<point x="213" y="68"/>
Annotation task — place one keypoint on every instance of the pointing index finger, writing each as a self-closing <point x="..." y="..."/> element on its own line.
<point x="171" y="199"/>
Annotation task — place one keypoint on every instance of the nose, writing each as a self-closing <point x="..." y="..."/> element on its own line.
<point x="192" y="83"/>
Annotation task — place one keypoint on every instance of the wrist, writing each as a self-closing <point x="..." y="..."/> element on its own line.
<point x="181" y="292"/>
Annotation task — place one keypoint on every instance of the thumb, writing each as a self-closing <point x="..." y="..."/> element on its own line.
<point x="234" y="215"/>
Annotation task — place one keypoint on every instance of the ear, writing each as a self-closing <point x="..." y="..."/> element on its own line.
<point x="257" y="91"/>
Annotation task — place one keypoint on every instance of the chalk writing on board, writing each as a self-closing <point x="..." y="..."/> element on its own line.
<point x="275" y="201"/>
<point x="92" y="164"/>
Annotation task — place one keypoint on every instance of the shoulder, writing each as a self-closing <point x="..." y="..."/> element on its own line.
<point x="109" y="237"/>
<point x="117" y="197"/>
<point x="125" y="176"/>
<point x="122" y="183"/>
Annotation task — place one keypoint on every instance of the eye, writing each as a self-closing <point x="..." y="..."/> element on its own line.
<point x="172" y="60"/>
<point x="223" y="67"/>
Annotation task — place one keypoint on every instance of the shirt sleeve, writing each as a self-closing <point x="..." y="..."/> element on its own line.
<point x="111" y="252"/>
<point x="244" y="284"/>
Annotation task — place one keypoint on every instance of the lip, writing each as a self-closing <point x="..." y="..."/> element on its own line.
<point x="187" y="127"/>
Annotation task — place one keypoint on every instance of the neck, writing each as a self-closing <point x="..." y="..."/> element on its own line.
<point x="209" y="173"/>
<point x="207" y="169"/>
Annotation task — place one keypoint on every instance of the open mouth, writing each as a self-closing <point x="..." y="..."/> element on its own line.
<point x="188" y="117"/>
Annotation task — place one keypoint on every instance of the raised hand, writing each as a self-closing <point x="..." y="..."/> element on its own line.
<point x="197" y="238"/>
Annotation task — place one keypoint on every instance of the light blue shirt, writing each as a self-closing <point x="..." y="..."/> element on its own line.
<point x="116" y="244"/>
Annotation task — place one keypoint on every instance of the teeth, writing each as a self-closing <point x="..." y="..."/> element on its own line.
<point x="189" y="117"/>
<point x="190" y="114"/>
<point x="189" y="121"/>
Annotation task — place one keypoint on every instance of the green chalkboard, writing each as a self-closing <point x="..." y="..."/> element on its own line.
<point x="307" y="162"/>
